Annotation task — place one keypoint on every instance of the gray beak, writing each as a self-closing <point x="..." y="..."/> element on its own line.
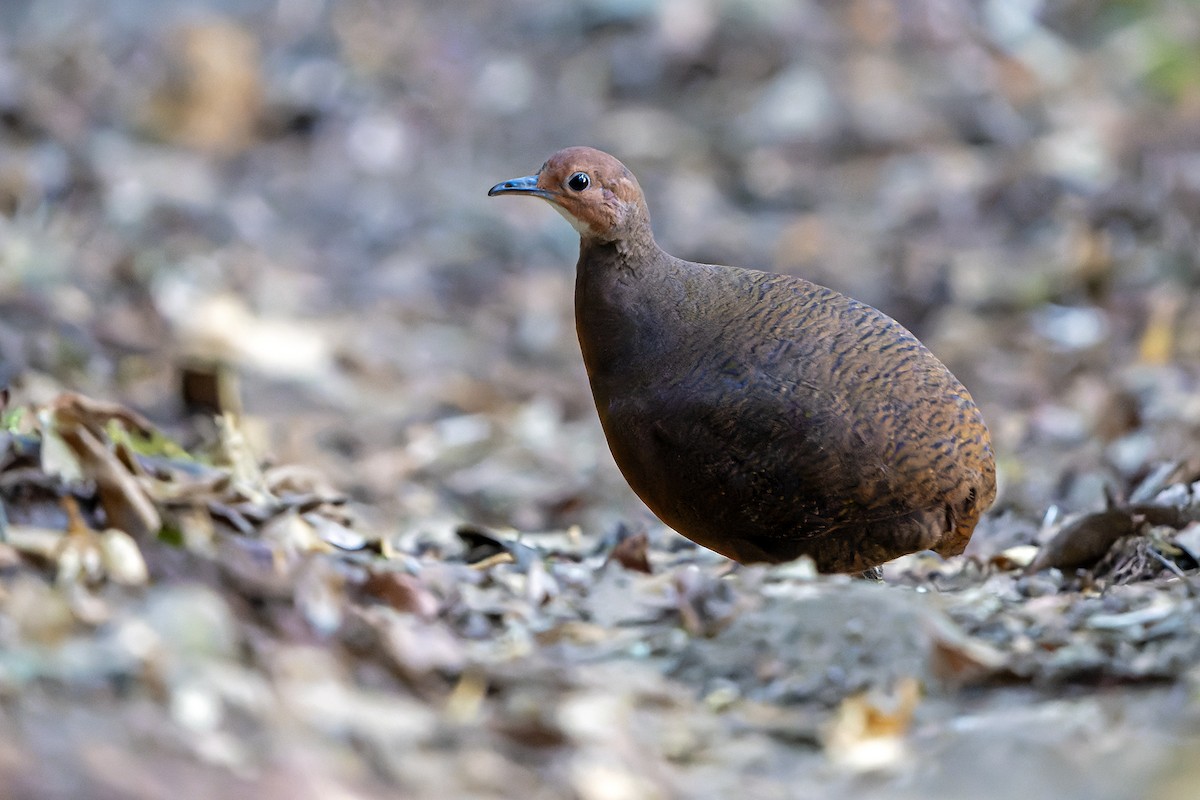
<point x="526" y="185"/>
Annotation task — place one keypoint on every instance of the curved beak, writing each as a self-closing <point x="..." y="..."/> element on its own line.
<point x="526" y="185"/>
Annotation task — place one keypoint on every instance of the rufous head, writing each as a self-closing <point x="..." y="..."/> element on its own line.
<point x="595" y="192"/>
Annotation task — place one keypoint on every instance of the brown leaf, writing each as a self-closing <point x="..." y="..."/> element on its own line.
<point x="632" y="553"/>
<point x="73" y="409"/>
<point x="403" y="592"/>
<point x="1084" y="541"/>
<point x="125" y="502"/>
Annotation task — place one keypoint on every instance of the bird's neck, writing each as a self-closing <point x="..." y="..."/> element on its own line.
<point x="629" y="253"/>
<point x="621" y="296"/>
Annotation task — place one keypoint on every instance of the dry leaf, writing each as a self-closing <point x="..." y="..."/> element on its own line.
<point x="335" y="533"/>
<point x="1018" y="557"/>
<point x="122" y="558"/>
<point x="960" y="660"/>
<point x="867" y="731"/>
<point x="403" y="592"/>
<point x="632" y="553"/>
<point x="125" y="502"/>
<point x="236" y="454"/>
<point x="79" y="559"/>
<point x="57" y="458"/>
<point x="294" y="535"/>
<point x="1084" y="541"/>
<point x="29" y="540"/>
<point x="77" y="409"/>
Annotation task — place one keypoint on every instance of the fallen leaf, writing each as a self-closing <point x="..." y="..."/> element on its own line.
<point x="632" y="553"/>
<point x="1084" y="541"/>
<point x="485" y="548"/>
<point x="125" y="502"/>
<point x="294" y="535"/>
<point x="868" y="729"/>
<point x="340" y="536"/>
<point x="32" y="541"/>
<point x="960" y="660"/>
<point x="403" y="592"/>
<point x="122" y="558"/>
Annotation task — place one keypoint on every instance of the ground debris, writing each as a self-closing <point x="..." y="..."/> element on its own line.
<point x="265" y="227"/>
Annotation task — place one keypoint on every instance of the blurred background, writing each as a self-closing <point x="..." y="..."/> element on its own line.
<point x="291" y="194"/>
<point x="278" y="208"/>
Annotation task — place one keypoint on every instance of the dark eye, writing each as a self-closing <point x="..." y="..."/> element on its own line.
<point x="579" y="181"/>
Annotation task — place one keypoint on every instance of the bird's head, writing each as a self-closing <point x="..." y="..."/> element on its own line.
<point x="595" y="192"/>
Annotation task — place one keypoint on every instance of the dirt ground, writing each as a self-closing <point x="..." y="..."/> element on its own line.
<point x="303" y="491"/>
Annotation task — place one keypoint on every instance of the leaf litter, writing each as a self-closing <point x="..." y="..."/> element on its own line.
<point x="286" y="206"/>
<point x="391" y="649"/>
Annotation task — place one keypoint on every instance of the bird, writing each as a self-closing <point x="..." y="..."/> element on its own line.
<point x="762" y="416"/>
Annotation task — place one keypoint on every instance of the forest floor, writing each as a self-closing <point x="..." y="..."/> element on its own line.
<point x="303" y="492"/>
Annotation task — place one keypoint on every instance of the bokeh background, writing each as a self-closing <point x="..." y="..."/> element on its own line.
<point x="291" y="194"/>
<point x="297" y="189"/>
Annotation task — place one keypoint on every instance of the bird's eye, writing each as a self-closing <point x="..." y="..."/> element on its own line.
<point x="579" y="181"/>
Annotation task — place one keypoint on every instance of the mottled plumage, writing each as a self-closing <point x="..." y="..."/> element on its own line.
<point x="760" y="415"/>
